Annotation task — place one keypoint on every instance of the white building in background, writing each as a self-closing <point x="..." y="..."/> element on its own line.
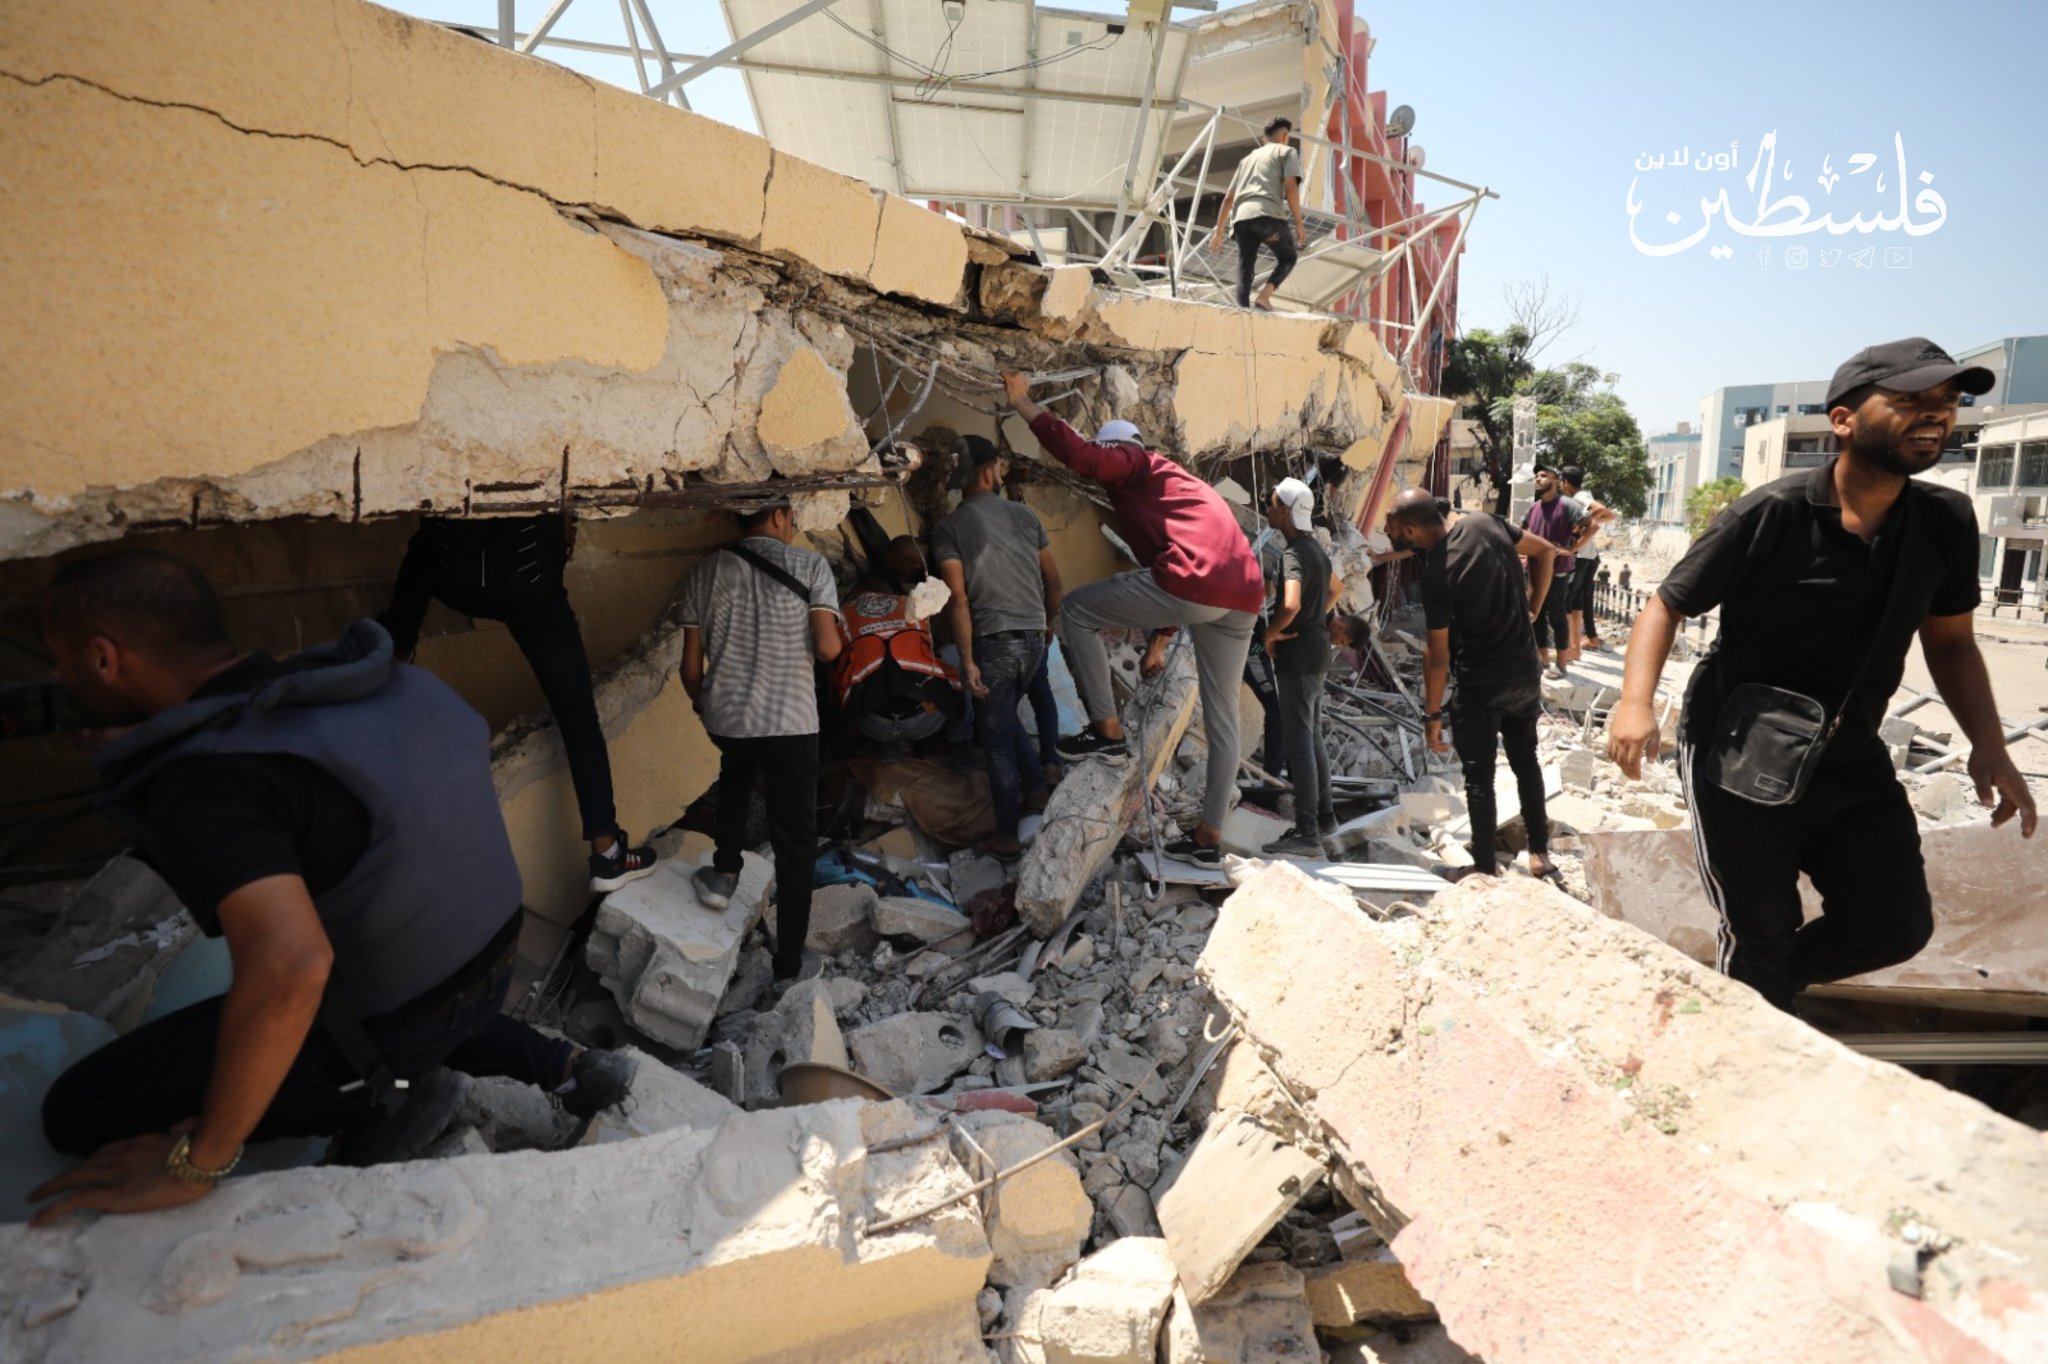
<point x="1674" y="470"/>
<point x="2011" y="493"/>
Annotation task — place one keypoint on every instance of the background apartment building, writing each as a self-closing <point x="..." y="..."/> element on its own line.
<point x="1674" y="468"/>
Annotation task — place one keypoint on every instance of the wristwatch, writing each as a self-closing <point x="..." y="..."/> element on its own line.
<point x="179" y="1163"/>
<point x="1431" y="717"/>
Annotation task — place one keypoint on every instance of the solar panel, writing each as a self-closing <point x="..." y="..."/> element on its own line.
<point x="928" y="139"/>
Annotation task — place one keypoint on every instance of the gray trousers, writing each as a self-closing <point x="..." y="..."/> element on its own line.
<point x="1222" y="638"/>
<point x="1308" y="762"/>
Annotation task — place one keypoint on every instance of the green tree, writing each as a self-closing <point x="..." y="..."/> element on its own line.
<point x="1487" y="369"/>
<point x="1708" y="501"/>
<point x="1581" y="420"/>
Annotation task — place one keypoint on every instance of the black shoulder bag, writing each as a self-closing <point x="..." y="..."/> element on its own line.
<point x="1768" y="740"/>
<point x="775" y="571"/>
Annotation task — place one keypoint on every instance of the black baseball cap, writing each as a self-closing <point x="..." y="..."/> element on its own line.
<point x="1913" y="365"/>
<point x="970" y="454"/>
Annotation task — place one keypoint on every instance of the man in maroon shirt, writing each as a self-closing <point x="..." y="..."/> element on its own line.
<point x="1198" y="572"/>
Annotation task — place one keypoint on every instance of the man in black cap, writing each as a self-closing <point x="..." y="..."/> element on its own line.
<point x="1823" y="578"/>
<point x="995" y="556"/>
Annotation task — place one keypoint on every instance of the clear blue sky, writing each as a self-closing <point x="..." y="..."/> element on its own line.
<point x="1553" y="113"/>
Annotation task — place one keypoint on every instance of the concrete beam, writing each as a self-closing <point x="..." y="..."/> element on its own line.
<point x="1585" y="1139"/>
<point x="680" y="1245"/>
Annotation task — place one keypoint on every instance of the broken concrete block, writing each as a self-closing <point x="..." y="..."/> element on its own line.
<point x="1732" y="1141"/>
<point x="1578" y="769"/>
<point x="1052" y="1052"/>
<point x="462" y="1141"/>
<point x="1240" y="1180"/>
<point x="512" y="1115"/>
<point x="1038" y="1218"/>
<point x="1259" y="1317"/>
<point x="914" y="1053"/>
<point x="662" y="1098"/>
<point x="906" y="916"/>
<point x="1247" y="829"/>
<point x="1990" y="892"/>
<point x="1111" y="1309"/>
<point x="107" y="950"/>
<point x="666" y="957"/>
<point x="819" y="216"/>
<point x="1006" y="985"/>
<point x="464" y="1257"/>
<point x="919" y="254"/>
<point x="1374" y="1289"/>
<point x="800" y="1029"/>
<point x="807" y="424"/>
<point x="1129" y="1209"/>
<point x="969" y="873"/>
<point x="1097" y="801"/>
<point x="842" y="920"/>
<point x="1939" y="797"/>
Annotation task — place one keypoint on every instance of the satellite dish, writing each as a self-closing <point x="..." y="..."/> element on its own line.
<point x="1401" y="121"/>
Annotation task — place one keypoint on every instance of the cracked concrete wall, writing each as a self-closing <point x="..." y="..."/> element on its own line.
<point x="376" y="266"/>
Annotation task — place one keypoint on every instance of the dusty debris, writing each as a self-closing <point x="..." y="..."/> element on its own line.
<point x="665" y="956"/>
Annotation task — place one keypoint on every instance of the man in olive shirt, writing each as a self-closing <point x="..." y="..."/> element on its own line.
<point x="1266" y="187"/>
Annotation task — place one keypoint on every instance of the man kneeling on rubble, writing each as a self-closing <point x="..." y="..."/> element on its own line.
<point x="333" y="816"/>
<point x="889" y="681"/>
<point x="1478" y="613"/>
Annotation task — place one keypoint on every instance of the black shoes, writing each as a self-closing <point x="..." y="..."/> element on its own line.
<point x="1201" y="854"/>
<point x="715" y="888"/>
<point x="1088" y="743"/>
<point x="621" y="866"/>
<point x="1295" y="843"/>
<point x="404" y="1134"/>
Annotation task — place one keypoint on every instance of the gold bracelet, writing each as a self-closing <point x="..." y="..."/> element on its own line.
<point x="179" y="1163"/>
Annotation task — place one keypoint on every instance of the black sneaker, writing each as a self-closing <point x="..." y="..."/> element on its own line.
<point x="597" y="1081"/>
<point x="388" y="1138"/>
<point x="715" y="888"/>
<point x="1187" y="850"/>
<point x="621" y="866"/>
<point x="1295" y="843"/>
<point x="1088" y="743"/>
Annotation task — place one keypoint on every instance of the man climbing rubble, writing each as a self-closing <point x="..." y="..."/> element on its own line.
<point x="332" y="815"/>
<point x="754" y="616"/>
<point x="1198" y="573"/>
<point x="996" y="558"/>
<point x="1299" y="641"/>
<point x="1478" y="613"/>
<point x="1265" y="188"/>
<point x="1823" y="579"/>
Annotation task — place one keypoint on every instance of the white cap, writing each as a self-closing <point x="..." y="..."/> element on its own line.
<point x="1119" y="430"/>
<point x="1296" y="496"/>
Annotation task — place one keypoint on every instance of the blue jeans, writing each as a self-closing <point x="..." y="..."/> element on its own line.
<point x="156" y="1076"/>
<point x="1007" y="662"/>
<point x="1046" y="711"/>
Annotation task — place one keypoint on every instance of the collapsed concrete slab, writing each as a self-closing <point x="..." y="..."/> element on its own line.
<point x="665" y="955"/>
<point x="1573" y="1127"/>
<point x="1240" y="1181"/>
<point x="1093" y="806"/>
<point x="1990" y="889"/>
<point x="107" y="950"/>
<point x="1109" y="1311"/>
<point x="464" y="1258"/>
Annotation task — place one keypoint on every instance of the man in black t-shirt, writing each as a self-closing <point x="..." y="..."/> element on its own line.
<point x="333" y="817"/>
<point x="1299" y="641"/>
<point x="1478" y="612"/>
<point x="1823" y="578"/>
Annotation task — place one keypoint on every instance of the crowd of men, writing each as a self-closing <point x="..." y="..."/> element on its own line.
<point x="333" y="815"/>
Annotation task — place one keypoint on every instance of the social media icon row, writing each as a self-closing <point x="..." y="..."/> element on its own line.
<point x="1798" y="257"/>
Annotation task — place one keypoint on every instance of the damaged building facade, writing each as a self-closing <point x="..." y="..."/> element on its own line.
<point x="270" y="312"/>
